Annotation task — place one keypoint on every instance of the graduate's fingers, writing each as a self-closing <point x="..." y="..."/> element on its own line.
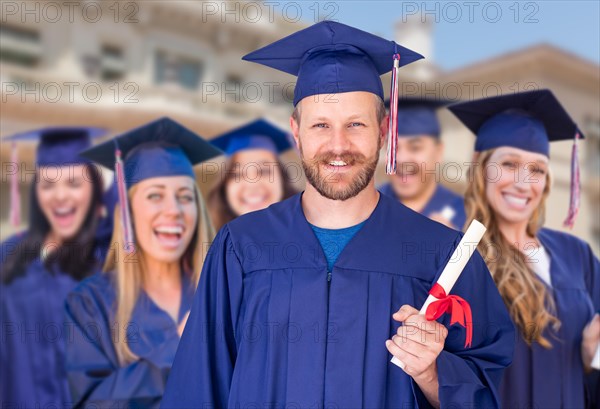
<point x="419" y="321"/>
<point x="425" y="346"/>
<point x="401" y="354"/>
<point x="423" y="337"/>
<point x="411" y="346"/>
<point x="425" y="354"/>
<point x="410" y="363"/>
<point x="404" y="312"/>
<point x="395" y="351"/>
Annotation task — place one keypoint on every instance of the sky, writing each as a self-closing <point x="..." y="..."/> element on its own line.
<point x="468" y="31"/>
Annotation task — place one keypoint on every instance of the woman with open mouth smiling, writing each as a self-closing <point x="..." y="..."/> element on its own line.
<point x="127" y="320"/>
<point x="550" y="281"/>
<point x="41" y="265"/>
<point x="255" y="176"/>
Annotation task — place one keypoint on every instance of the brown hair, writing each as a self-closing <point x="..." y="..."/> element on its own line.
<point x="529" y="303"/>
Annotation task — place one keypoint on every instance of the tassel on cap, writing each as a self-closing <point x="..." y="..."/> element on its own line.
<point x="128" y="240"/>
<point x="15" y="194"/>
<point x="392" y="138"/>
<point x="575" y="188"/>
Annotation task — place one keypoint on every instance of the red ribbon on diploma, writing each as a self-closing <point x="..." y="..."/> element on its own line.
<point x="458" y="307"/>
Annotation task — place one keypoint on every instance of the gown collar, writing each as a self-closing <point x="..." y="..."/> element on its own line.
<point x="347" y="258"/>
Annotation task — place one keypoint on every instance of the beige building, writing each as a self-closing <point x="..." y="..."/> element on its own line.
<point x="119" y="65"/>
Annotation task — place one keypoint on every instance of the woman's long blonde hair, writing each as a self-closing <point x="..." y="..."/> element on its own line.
<point x="530" y="306"/>
<point x="128" y="270"/>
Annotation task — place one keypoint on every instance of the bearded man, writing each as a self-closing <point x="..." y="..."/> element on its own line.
<point x="300" y="305"/>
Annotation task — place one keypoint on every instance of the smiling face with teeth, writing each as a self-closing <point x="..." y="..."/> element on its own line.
<point x="516" y="181"/>
<point x="165" y="215"/>
<point x="64" y="195"/>
<point x="254" y="181"/>
<point x="339" y="137"/>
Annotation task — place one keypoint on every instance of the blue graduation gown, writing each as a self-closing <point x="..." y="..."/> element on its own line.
<point x="33" y="335"/>
<point x="267" y="328"/>
<point x="96" y="378"/>
<point x="554" y="378"/>
<point x="441" y="198"/>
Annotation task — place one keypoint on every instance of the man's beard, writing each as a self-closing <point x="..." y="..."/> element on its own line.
<point x="327" y="185"/>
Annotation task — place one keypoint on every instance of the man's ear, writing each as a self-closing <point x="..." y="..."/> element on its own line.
<point x="295" y="127"/>
<point x="439" y="154"/>
<point x="383" y="128"/>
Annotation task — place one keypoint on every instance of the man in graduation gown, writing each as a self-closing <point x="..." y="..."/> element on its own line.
<point x="417" y="183"/>
<point x="299" y="305"/>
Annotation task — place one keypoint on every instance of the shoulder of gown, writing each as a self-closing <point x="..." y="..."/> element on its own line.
<point x="562" y="239"/>
<point x="280" y="216"/>
<point x="260" y="239"/>
<point x="93" y="293"/>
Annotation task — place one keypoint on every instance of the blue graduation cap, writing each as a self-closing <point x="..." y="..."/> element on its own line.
<point x="59" y="145"/>
<point x="417" y="116"/>
<point x="159" y="148"/>
<point x="259" y="134"/>
<point x="332" y="58"/>
<point x="526" y="120"/>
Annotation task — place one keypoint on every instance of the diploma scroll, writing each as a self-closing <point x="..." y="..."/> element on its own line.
<point x="458" y="261"/>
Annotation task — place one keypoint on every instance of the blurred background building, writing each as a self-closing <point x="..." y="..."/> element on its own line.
<point x="120" y="64"/>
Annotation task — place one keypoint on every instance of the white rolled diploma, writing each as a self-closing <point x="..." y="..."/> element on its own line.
<point x="456" y="264"/>
<point x="596" y="359"/>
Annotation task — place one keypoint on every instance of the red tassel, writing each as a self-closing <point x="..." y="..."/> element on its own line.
<point x="15" y="193"/>
<point x="128" y="241"/>
<point x="392" y="138"/>
<point x="458" y="307"/>
<point x="575" y="188"/>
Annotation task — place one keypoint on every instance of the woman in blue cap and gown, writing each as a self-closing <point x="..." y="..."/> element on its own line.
<point x="42" y="264"/>
<point x="254" y="177"/>
<point x="279" y="321"/>
<point x="417" y="182"/>
<point x="550" y="280"/>
<point x="128" y="319"/>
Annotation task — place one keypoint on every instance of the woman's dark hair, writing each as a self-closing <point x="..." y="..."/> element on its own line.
<point x="75" y="257"/>
<point x="220" y="211"/>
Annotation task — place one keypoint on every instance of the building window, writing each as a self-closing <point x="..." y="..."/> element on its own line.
<point x="188" y="73"/>
<point x="20" y="46"/>
<point x="172" y="69"/>
<point x="112" y="63"/>
<point x="161" y="68"/>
